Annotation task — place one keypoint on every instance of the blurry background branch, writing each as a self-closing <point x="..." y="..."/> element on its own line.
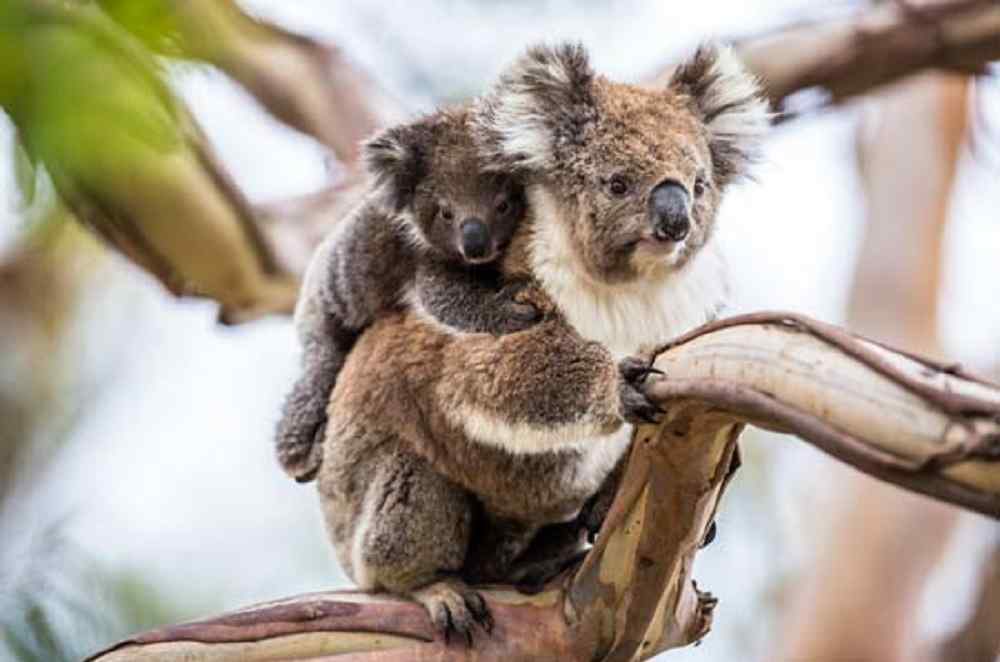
<point x="909" y="144"/>
<point x="132" y="164"/>
<point x="847" y="57"/>
<point x="306" y="84"/>
<point x="916" y="423"/>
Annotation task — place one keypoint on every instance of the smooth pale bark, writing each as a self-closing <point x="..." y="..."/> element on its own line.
<point x="924" y="426"/>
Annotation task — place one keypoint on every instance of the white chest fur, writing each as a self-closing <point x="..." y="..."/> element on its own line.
<point x="625" y="318"/>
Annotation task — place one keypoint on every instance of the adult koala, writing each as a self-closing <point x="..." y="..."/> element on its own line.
<point x="448" y="452"/>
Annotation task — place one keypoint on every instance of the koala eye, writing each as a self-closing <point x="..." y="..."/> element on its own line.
<point x="618" y="186"/>
<point x="446" y="214"/>
<point x="699" y="186"/>
<point x="503" y="207"/>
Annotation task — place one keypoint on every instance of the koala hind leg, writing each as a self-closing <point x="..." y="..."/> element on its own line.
<point x="411" y="538"/>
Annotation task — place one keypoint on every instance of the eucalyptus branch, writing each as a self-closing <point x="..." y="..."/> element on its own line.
<point x="925" y="426"/>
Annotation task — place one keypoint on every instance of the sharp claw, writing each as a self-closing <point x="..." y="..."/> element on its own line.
<point x="480" y="611"/>
<point x="488" y="623"/>
<point x="709" y="535"/>
<point x="449" y="626"/>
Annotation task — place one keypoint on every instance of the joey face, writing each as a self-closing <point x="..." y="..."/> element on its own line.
<point x="467" y="216"/>
<point x="430" y="173"/>
<point x="634" y="174"/>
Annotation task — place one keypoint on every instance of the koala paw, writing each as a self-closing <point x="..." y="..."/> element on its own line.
<point x="300" y="444"/>
<point x="455" y="609"/>
<point x="517" y="309"/>
<point x="636" y="406"/>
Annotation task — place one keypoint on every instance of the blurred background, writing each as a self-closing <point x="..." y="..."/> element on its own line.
<point x="137" y="480"/>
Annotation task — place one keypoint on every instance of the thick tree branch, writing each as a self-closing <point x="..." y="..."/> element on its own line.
<point x="925" y="426"/>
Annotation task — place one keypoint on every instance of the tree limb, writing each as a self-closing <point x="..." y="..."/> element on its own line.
<point x="849" y="56"/>
<point x="925" y="426"/>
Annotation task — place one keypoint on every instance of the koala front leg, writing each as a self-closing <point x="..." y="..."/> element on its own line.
<point x="543" y="389"/>
<point x="299" y="437"/>
<point x="473" y="300"/>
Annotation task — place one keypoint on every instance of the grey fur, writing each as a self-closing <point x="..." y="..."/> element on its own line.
<point x="396" y="240"/>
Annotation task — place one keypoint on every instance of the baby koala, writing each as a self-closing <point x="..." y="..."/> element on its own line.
<point x="426" y="236"/>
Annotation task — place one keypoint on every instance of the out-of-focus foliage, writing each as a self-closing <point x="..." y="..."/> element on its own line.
<point x="152" y="21"/>
<point x="91" y="103"/>
<point x="72" y="85"/>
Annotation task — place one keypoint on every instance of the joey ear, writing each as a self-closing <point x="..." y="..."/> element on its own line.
<point x="396" y="158"/>
<point x="729" y="100"/>
<point x="544" y="99"/>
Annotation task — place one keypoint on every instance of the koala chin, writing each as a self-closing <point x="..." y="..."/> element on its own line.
<point x="454" y="456"/>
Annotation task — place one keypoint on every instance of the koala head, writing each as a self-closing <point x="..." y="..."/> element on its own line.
<point x="636" y="174"/>
<point x="429" y="174"/>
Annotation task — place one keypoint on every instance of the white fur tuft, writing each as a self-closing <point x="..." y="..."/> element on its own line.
<point x="627" y="318"/>
<point x="362" y="575"/>
<point x="736" y="90"/>
<point x="598" y="453"/>
<point x="520" y="126"/>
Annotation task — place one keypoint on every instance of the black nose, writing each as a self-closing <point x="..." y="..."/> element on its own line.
<point x="669" y="205"/>
<point x="475" y="239"/>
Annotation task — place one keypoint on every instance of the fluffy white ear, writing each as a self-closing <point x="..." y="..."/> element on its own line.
<point x="728" y="98"/>
<point x="542" y="100"/>
<point x="395" y="157"/>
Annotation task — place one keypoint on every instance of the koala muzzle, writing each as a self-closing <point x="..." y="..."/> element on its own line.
<point x="670" y="208"/>
<point x="476" y="243"/>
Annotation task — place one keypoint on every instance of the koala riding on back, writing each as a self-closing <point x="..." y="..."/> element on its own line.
<point x="427" y="236"/>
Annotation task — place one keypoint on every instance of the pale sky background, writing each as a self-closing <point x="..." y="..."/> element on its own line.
<point x="172" y="472"/>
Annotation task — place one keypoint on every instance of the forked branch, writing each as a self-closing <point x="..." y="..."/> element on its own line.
<point x="924" y="426"/>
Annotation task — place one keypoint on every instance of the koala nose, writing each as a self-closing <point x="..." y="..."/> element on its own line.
<point x="670" y="206"/>
<point x="475" y="239"/>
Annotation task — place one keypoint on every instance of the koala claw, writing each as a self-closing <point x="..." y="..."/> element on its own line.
<point x="636" y="370"/>
<point x="709" y="534"/>
<point x="455" y="609"/>
<point x="636" y="405"/>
